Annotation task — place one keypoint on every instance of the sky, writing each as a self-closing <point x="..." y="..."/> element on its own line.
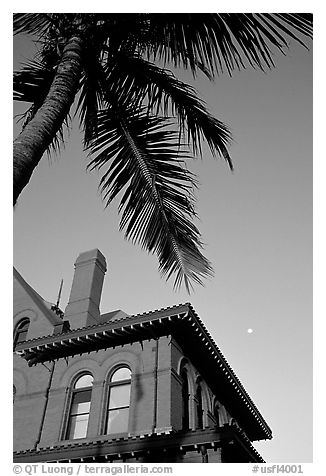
<point x="256" y="224"/>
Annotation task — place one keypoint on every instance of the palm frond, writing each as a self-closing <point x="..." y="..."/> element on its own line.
<point x="32" y="82"/>
<point x="107" y="36"/>
<point x="224" y="41"/>
<point x="291" y="23"/>
<point x="143" y="160"/>
<point x="31" y="85"/>
<point x="92" y="94"/>
<point x="135" y="81"/>
<point x="33" y="23"/>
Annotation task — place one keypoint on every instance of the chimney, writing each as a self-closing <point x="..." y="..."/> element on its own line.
<point x="83" y="306"/>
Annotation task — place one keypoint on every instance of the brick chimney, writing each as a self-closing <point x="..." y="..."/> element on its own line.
<point x="84" y="302"/>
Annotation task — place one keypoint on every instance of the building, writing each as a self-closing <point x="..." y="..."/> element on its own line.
<point x="151" y="387"/>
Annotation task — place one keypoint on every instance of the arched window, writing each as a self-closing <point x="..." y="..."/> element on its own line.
<point x="20" y="332"/>
<point x="119" y="401"/>
<point x="80" y="407"/>
<point x="199" y="407"/>
<point x="185" y="400"/>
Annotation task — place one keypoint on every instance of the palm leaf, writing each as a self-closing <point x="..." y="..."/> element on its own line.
<point x="143" y="160"/>
<point x="135" y="81"/>
<point x="224" y="41"/>
<point x="91" y="97"/>
<point x="32" y="82"/>
<point x="33" y="23"/>
<point x="31" y="85"/>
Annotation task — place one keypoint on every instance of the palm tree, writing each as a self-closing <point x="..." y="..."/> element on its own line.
<point x="140" y="122"/>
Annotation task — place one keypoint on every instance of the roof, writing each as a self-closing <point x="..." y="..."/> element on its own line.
<point x="113" y="316"/>
<point x="180" y="321"/>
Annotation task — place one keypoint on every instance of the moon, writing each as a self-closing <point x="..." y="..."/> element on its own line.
<point x="250" y="331"/>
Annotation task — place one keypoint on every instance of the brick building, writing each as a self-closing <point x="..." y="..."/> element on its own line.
<point x="151" y="387"/>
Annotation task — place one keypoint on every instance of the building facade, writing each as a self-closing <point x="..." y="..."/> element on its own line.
<point x="152" y="387"/>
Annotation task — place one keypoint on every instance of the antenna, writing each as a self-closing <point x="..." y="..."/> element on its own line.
<point x="55" y="307"/>
<point x="59" y="294"/>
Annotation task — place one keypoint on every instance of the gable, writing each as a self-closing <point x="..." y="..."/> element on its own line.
<point x="28" y="304"/>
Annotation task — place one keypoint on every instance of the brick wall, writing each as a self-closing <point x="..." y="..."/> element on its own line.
<point x="139" y="357"/>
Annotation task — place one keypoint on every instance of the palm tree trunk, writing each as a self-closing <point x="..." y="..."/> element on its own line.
<point x="38" y="134"/>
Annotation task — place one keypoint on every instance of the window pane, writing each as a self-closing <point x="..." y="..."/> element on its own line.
<point x="121" y="374"/>
<point x="23" y="326"/>
<point x="21" y="336"/>
<point x="84" y="381"/>
<point x="77" y="408"/>
<point x="118" y="421"/>
<point x="83" y="396"/>
<point x="78" y="427"/>
<point x="119" y="396"/>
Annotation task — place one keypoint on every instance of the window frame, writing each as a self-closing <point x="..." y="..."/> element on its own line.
<point x="199" y="407"/>
<point x="107" y="409"/>
<point x="185" y="394"/>
<point x="74" y="391"/>
<point x="22" y="327"/>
